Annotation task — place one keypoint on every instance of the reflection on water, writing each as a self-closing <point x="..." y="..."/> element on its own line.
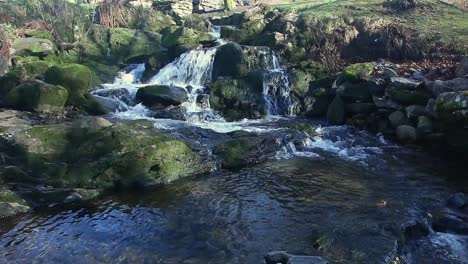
<point x="330" y="206"/>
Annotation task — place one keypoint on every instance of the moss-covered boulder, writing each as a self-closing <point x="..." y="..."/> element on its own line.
<point x="12" y="79"/>
<point x="130" y="46"/>
<point x="36" y="68"/>
<point x="11" y="204"/>
<point x="161" y="95"/>
<point x="245" y="150"/>
<point x="101" y="155"/>
<point x="37" y="96"/>
<point x="33" y="46"/>
<point x="237" y="99"/>
<point x="358" y="71"/>
<point x="230" y="61"/>
<point x="183" y="36"/>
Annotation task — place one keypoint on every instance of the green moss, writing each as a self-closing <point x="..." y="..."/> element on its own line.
<point x="37" y="96"/>
<point x="36" y="68"/>
<point x="74" y="77"/>
<point x="358" y="71"/>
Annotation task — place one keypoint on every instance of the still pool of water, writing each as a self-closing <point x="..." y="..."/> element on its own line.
<point x="346" y="210"/>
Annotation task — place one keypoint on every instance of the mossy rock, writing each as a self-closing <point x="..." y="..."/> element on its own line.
<point x="132" y="46"/>
<point x="75" y="78"/>
<point x="237" y="99"/>
<point x="37" y="96"/>
<point x="183" y="36"/>
<point x="12" y="79"/>
<point x="80" y="155"/>
<point x="36" y="68"/>
<point x="358" y="71"/>
<point x="11" y="204"/>
<point x="230" y="61"/>
<point x="244" y="151"/>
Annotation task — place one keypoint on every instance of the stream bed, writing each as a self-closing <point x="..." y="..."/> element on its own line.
<point x="348" y="203"/>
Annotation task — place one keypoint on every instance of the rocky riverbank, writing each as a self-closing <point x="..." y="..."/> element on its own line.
<point x="58" y="138"/>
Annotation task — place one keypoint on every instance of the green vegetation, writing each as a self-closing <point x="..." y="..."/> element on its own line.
<point x="442" y="22"/>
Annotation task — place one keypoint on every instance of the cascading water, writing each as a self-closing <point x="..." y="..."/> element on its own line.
<point x="275" y="80"/>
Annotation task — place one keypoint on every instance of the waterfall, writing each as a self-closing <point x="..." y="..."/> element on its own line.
<point x="276" y="88"/>
<point x="191" y="71"/>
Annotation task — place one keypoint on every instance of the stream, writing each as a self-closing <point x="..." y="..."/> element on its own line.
<point x="344" y="194"/>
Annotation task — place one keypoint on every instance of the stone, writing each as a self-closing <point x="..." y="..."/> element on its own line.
<point x="161" y="95"/>
<point x="230" y="61"/>
<point x="133" y="46"/>
<point x="244" y="151"/>
<point x="406" y="133"/>
<point x="413" y="111"/>
<point x="32" y="47"/>
<point x="457" y="201"/>
<point x="397" y="118"/>
<point x="239" y="98"/>
<point x="75" y="78"/>
<point x="94" y="155"/>
<point x="389" y="73"/>
<point x="11" y="204"/>
<point x="336" y="112"/>
<point x="358" y="71"/>
<point x="455" y="85"/>
<point x="462" y="69"/>
<point x="424" y="124"/>
<point x="37" y="96"/>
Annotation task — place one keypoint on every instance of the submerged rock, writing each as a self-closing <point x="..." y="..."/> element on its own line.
<point x="243" y="151"/>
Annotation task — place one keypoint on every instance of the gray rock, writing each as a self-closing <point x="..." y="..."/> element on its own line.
<point x="404" y="83"/>
<point x="454" y="85"/>
<point x="161" y="95"/>
<point x="306" y="260"/>
<point x="397" y="118"/>
<point x="406" y="133"/>
<point x="413" y="111"/>
<point x="389" y="73"/>
<point x="424" y="124"/>
<point x="336" y="111"/>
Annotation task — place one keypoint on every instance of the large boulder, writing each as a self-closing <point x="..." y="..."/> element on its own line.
<point x="455" y="85"/>
<point x="131" y="46"/>
<point x="245" y="150"/>
<point x="230" y="61"/>
<point x="408" y="92"/>
<point x="32" y="47"/>
<point x="75" y="78"/>
<point x="96" y="154"/>
<point x="161" y="95"/>
<point x="238" y="99"/>
<point x="37" y="96"/>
